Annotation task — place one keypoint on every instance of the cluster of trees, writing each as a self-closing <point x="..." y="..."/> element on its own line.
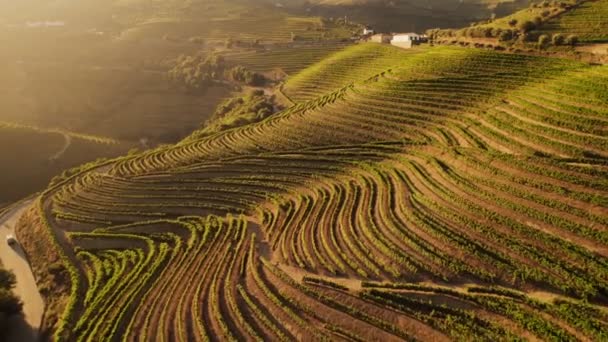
<point x="557" y="39"/>
<point x="239" y="111"/>
<point x="522" y="34"/>
<point x="521" y="31"/>
<point x="240" y="74"/>
<point x="255" y="104"/>
<point x="9" y="303"/>
<point x="197" y="73"/>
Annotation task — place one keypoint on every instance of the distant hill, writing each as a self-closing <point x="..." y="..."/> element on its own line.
<point x="410" y="15"/>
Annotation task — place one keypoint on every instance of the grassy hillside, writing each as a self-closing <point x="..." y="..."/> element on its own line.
<point x="587" y="21"/>
<point x="283" y="59"/>
<point x="583" y="18"/>
<point x="541" y="10"/>
<point x="353" y="64"/>
<point x="458" y="194"/>
<point x="573" y="29"/>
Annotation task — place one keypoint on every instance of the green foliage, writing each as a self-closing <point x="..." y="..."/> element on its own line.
<point x="585" y="19"/>
<point x="10" y="304"/>
<point x="527" y="26"/>
<point x="7" y="279"/>
<point x="241" y="75"/>
<point x="558" y="39"/>
<point x="240" y="111"/>
<point x="505" y="35"/>
<point x="543" y="41"/>
<point x="572" y="40"/>
<point x="412" y="172"/>
<point x="196" y="73"/>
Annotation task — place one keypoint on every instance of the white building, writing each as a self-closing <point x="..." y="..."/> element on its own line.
<point x="381" y="38"/>
<point x="403" y="37"/>
<point x="368" y="31"/>
<point x="406" y="40"/>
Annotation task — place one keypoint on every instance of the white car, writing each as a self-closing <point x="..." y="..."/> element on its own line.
<point x="10" y="239"/>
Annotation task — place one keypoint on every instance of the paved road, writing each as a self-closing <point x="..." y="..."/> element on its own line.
<point x="13" y="258"/>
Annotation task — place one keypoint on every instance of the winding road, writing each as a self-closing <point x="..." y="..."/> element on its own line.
<point x="24" y="328"/>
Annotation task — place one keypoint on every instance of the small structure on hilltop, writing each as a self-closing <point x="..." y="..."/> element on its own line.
<point x="407" y="40"/>
<point x="381" y="38"/>
<point x="368" y="31"/>
<point x="402" y="40"/>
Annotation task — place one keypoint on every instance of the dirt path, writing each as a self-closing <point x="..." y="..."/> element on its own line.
<point x="25" y="328"/>
<point x="596" y="49"/>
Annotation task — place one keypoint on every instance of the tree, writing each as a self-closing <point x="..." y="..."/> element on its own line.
<point x="543" y="40"/>
<point x="9" y="303"/>
<point x="572" y="40"/>
<point x="558" y="39"/>
<point x="7" y="279"/>
<point x="505" y="35"/>
<point x="512" y="22"/>
<point x="527" y="26"/>
<point x="241" y="74"/>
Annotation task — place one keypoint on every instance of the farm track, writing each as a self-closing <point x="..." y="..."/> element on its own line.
<point x="443" y="189"/>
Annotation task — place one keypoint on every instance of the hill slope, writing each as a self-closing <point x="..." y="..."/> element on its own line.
<point x="587" y="21"/>
<point x="458" y="194"/>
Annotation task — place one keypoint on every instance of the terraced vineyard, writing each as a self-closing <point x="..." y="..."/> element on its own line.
<point x="434" y="194"/>
<point x="587" y="21"/>
<point x="345" y="67"/>
<point x="288" y="58"/>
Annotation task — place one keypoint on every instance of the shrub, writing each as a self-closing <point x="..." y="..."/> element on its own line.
<point x="505" y="35"/>
<point x="572" y="40"/>
<point x="558" y="39"/>
<point x="543" y="40"/>
<point x="241" y="74"/>
<point x="496" y="32"/>
<point x="7" y="279"/>
<point x="527" y="26"/>
<point x="525" y="37"/>
<point x="513" y="22"/>
<point x="197" y="72"/>
<point x="9" y="303"/>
